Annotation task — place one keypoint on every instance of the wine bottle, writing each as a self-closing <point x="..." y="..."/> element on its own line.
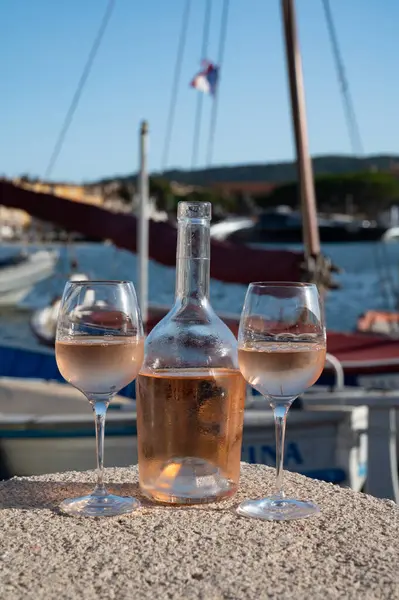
<point x="190" y="392"/>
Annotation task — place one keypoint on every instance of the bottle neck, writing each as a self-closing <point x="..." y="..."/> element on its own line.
<point x="193" y="260"/>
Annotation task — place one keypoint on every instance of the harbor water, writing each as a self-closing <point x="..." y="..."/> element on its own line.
<point x="368" y="281"/>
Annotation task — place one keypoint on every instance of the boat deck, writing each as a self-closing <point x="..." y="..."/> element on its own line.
<point x="35" y="399"/>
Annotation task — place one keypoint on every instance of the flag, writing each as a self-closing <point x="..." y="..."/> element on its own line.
<point x="206" y="80"/>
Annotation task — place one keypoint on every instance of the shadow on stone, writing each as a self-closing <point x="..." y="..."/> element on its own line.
<point x="24" y="494"/>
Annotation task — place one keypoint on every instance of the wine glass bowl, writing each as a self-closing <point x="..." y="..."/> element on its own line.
<point x="99" y="350"/>
<point x="281" y="353"/>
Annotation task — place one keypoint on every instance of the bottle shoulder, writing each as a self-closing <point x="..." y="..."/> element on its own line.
<point x="188" y="337"/>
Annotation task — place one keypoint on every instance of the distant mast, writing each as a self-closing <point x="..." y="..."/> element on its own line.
<point x="142" y="224"/>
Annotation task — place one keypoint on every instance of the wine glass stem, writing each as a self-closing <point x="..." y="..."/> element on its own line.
<point x="100" y="411"/>
<point x="280" y="419"/>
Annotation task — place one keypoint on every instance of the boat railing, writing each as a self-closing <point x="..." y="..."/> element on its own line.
<point x="382" y="465"/>
<point x="337" y="367"/>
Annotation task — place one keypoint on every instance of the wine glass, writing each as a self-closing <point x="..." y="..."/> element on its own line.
<point x="281" y="353"/>
<point x="99" y="350"/>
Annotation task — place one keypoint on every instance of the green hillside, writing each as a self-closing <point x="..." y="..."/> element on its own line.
<point x="278" y="172"/>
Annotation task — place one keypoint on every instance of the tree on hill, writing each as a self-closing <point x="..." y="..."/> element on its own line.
<point x="281" y="172"/>
<point x="161" y="190"/>
<point x="369" y="193"/>
<point x="166" y="200"/>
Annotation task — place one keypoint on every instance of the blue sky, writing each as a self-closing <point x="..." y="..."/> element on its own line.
<point x="44" y="45"/>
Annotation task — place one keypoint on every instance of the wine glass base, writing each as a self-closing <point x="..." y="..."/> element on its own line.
<point x="99" y="506"/>
<point x="277" y="509"/>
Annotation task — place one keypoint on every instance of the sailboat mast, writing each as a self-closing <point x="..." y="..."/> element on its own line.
<point x="310" y="229"/>
<point x="143" y="224"/>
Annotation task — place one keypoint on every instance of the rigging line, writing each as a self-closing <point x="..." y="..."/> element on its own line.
<point x="78" y="92"/>
<point x="349" y="109"/>
<point x="198" y="114"/>
<point x="222" y="44"/>
<point x="175" y="85"/>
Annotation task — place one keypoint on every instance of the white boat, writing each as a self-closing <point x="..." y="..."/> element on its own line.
<point x="7" y="232"/>
<point x="44" y="320"/>
<point x="220" y="231"/>
<point x="47" y="427"/>
<point x="391" y="235"/>
<point x="19" y="274"/>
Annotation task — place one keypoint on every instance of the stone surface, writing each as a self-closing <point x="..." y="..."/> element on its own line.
<point x="350" y="551"/>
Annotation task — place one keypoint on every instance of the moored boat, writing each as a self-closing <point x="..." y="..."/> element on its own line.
<point x="20" y="273"/>
<point x="47" y="427"/>
<point x="231" y="263"/>
<point x="382" y="322"/>
<point x="285" y="227"/>
<point x="365" y="358"/>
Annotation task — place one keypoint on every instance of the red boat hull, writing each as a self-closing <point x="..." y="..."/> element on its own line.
<point x="231" y="263"/>
<point x="358" y="353"/>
